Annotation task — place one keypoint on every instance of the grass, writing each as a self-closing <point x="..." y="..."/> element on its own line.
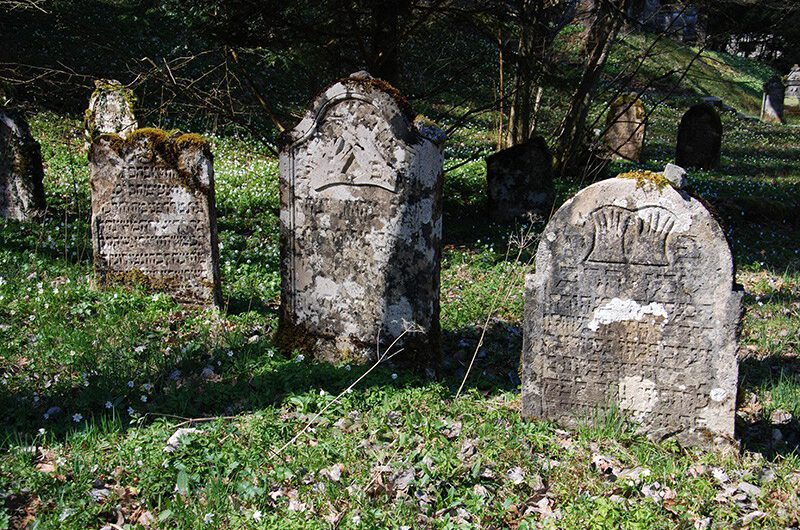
<point x="94" y="383"/>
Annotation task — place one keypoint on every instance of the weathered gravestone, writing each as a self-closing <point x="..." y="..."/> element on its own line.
<point x="793" y="86"/>
<point x="772" y="101"/>
<point x="626" y="125"/>
<point x="520" y="181"/>
<point x="110" y="111"/>
<point x="633" y="306"/>
<point x="361" y="185"/>
<point x="21" y="171"/>
<point x="153" y="214"/>
<point x="699" y="138"/>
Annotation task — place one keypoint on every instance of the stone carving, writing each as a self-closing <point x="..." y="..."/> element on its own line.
<point x="360" y="226"/>
<point x="699" y="138"/>
<point x="21" y="171"/>
<point x="153" y="214"/>
<point x="772" y="102"/>
<point x="110" y="111"/>
<point x="626" y="125"/>
<point x="633" y="306"/>
<point x="793" y="86"/>
<point x="520" y="181"/>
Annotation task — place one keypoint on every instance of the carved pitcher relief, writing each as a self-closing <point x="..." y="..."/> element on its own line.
<point x="354" y="141"/>
<point x="635" y="237"/>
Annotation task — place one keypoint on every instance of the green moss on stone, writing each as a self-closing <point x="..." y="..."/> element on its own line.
<point x="644" y="177"/>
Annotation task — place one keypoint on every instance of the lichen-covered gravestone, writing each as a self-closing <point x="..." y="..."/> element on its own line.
<point x="21" y="171"/>
<point x="793" y="86"/>
<point x="361" y="185"/>
<point x="699" y="138"/>
<point x="110" y="111"/>
<point x="153" y="214"/>
<point x="626" y="125"/>
<point x="772" y="102"/>
<point x="520" y="181"/>
<point x="633" y="305"/>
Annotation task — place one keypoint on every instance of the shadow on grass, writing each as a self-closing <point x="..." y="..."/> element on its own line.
<point x="778" y="377"/>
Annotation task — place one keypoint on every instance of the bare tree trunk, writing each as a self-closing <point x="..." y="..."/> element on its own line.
<point x="384" y="59"/>
<point x="602" y="26"/>
<point x="519" y="126"/>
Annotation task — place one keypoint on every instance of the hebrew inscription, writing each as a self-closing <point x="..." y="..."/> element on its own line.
<point x="361" y="226"/>
<point x="632" y="306"/>
<point x="153" y="219"/>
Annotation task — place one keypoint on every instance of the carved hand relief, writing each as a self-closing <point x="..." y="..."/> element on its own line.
<point x="353" y="144"/>
<point x="635" y="237"/>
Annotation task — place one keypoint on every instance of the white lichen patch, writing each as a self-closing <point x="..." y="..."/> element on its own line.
<point x="619" y="310"/>
<point x="637" y="396"/>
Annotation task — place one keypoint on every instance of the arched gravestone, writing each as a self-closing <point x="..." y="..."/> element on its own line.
<point x="633" y="305"/>
<point x="793" y="86"/>
<point x="520" y="181"/>
<point x="153" y="214"/>
<point x="361" y="185"/>
<point x="110" y="111"/>
<point x="699" y="138"/>
<point x="772" y="102"/>
<point x="21" y="171"/>
<point x="626" y="125"/>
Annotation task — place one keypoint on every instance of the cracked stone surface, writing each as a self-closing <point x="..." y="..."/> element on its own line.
<point x="21" y="170"/>
<point x="154" y="217"/>
<point x="520" y="181"/>
<point x="110" y="111"/>
<point x="361" y="226"/>
<point x="633" y="305"/>
<point x="699" y="138"/>
<point x="627" y="125"/>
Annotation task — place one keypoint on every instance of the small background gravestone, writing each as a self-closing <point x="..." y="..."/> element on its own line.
<point x="110" y="111"/>
<point x="626" y="126"/>
<point x="21" y="170"/>
<point x="153" y="214"/>
<point x="520" y="181"/>
<point x="772" y="101"/>
<point x="361" y="185"/>
<point x="699" y="138"/>
<point x="793" y="87"/>
<point x="633" y="306"/>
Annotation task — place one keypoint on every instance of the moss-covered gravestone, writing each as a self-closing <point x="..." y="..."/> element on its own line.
<point x="772" y="101"/>
<point x="626" y="125"/>
<point x="520" y="181"/>
<point x="110" y="111"/>
<point x="699" y="138"/>
<point x="21" y="171"/>
<point x="153" y="214"/>
<point x="361" y="184"/>
<point x="633" y="307"/>
<point x="793" y="87"/>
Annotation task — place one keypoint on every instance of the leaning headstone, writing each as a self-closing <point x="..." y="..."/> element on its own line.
<point x="699" y="138"/>
<point x="520" y="181"/>
<point x="626" y="125"/>
<point x="633" y="307"/>
<point x="110" y="111"/>
<point x="21" y="170"/>
<point x="153" y="214"/>
<point x="793" y="86"/>
<point x="772" y="101"/>
<point x="361" y="184"/>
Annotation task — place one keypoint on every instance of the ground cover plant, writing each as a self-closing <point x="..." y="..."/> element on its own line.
<point x="122" y="409"/>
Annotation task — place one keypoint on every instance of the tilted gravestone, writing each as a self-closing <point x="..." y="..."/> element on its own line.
<point x="633" y="305"/>
<point x="153" y="214"/>
<point x="110" y="111"/>
<point x="520" y="181"/>
<point x="626" y="125"/>
<point x="699" y="138"/>
<point x="361" y="185"/>
<point x="793" y="86"/>
<point x="772" y="102"/>
<point x="21" y="170"/>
